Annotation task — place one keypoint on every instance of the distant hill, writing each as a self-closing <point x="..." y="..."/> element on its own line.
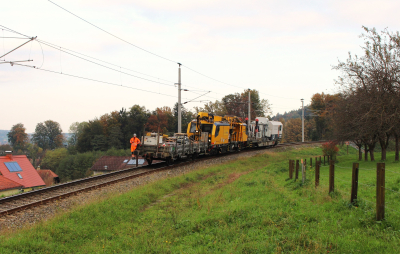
<point x="292" y="114"/>
<point x="3" y="137"/>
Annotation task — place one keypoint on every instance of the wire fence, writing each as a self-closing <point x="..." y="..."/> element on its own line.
<point x="351" y="182"/>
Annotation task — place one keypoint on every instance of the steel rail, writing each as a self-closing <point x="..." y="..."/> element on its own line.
<point x="11" y="204"/>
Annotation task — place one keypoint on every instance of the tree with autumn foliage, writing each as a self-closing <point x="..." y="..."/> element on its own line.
<point x="322" y="106"/>
<point x="237" y="104"/>
<point x="330" y="148"/>
<point x="17" y="137"/>
<point x="292" y="130"/>
<point x="159" y="120"/>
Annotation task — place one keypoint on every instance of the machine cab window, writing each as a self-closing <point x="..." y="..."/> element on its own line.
<point x="206" y="128"/>
<point x="216" y="130"/>
<point x="192" y="128"/>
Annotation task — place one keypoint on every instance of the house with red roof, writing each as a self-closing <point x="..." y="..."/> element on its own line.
<point x="18" y="169"/>
<point x="48" y="176"/>
<point x="9" y="187"/>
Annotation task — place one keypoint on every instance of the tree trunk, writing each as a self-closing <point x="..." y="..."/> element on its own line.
<point x="396" y="138"/>
<point x="371" y="153"/>
<point x="359" y="152"/>
<point x="383" y="154"/>
<point x="366" y="152"/>
<point x="384" y="142"/>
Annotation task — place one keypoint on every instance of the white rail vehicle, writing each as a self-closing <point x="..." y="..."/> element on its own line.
<point x="264" y="132"/>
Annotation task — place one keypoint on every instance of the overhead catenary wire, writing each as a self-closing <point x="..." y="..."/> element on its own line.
<point x="119" y="38"/>
<point x="56" y="47"/>
<point x="184" y="65"/>
<point x="76" y="54"/>
<point x="81" y="54"/>
<point x="196" y="97"/>
<point x="104" y="61"/>
<point x="96" y="80"/>
<point x="12" y="37"/>
<point x="93" y="62"/>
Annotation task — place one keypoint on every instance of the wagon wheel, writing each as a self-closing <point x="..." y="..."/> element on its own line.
<point x="149" y="161"/>
<point x="169" y="161"/>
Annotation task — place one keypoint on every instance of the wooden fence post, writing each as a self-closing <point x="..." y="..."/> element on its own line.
<point x="354" y="183"/>
<point x="297" y="170"/>
<point x="303" y="173"/>
<point x="292" y="169"/>
<point x="317" y="166"/>
<point x="331" y="176"/>
<point x="380" y="191"/>
<point x="137" y="160"/>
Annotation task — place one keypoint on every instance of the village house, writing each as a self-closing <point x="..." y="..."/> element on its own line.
<point x="17" y="174"/>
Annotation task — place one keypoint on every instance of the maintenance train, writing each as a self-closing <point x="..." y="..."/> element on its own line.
<point x="209" y="134"/>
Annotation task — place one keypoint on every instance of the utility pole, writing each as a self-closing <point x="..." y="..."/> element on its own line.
<point x="179" y="100"/>
<point x="302" y="120"/>
<point x="249" y="112"/>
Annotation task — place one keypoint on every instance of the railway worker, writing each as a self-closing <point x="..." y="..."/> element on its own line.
<point x="134" y="142"/>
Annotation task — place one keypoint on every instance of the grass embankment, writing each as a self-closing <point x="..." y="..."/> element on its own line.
<point x="246" y="206"/>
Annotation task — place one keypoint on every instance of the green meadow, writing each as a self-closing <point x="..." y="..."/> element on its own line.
<point x="244" y="206"/>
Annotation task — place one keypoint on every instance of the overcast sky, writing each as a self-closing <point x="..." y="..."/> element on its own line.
<point x="284" y="49"/>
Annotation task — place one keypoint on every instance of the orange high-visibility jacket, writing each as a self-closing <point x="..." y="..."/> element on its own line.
<point x="134" y="142"/>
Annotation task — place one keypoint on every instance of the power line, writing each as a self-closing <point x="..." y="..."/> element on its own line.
<point x="104" y="61"/>
<point x="104" y="65"/>
<point x="12" y="31"/>
<point x="211" y="77"/>
<point x="65" y="50"/>
<point x="159" y="55"/>
<point x="113" y="34"/>
<point x="58" y="48"/>
<point x="196" y="98"/>
<point x="94" y="80"/>
<point x="13" y="37"/>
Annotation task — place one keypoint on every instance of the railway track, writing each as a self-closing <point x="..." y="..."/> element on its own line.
<point x="31" y="199"/>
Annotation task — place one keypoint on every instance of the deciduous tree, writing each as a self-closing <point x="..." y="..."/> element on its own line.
<point x="17" y="137"/>
<point x="48" y="135"/>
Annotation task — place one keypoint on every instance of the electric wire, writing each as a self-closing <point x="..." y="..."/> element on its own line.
<point x="113" y="34"/>
<point x="191" y="69"/>
<point x="196" y="97"/>
<point x="78" y="53"/>
<point x="12" y="37"/>
<point x="56" y="47"/>
<point x="159" y="55"/>
<point x="13" y="31"/>
<point x="95" y="80"/>
<point x="105" y="61"/>
<point x="82" y="58"/>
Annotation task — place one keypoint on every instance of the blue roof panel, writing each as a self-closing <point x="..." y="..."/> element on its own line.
<point x="13" y="166"/>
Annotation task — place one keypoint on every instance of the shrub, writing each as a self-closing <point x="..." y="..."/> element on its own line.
<point x="330" y="148"/>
